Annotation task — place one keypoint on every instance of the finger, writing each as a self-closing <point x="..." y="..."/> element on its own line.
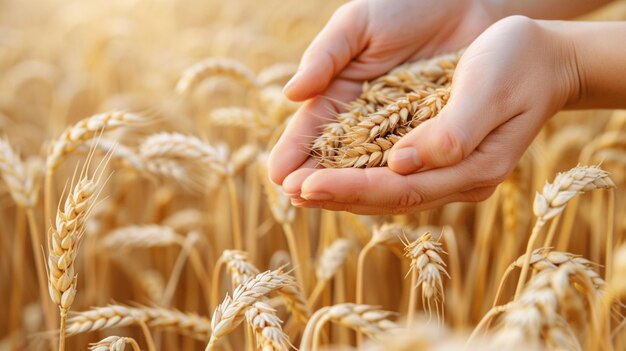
<point x="382" y="187"/>
<point x="342" y="38"/>
<point x="292" y="183"/>
<point x="474" y="195"/>
<point x="293" y="147"/>
<point x="470" y="115"/>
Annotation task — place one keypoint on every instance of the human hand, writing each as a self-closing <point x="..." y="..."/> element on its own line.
<point x="363" y="40"/>
<point x="509" y="81"/>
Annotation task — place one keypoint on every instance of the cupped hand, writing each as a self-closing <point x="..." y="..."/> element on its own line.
<point x="363" y="40"/>
<point x="509" y="81"/>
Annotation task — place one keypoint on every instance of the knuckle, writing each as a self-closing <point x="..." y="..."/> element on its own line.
<point x="480" y="194"/>
<point x="517" y="23"/>
<point x="451" y="145"/>
<point x="409" y="198"/>
<point x="399" y="210"/>
<point x="498" y="173"/>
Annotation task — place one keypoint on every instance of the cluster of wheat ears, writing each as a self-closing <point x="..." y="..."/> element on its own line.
<point x="137" y="212"/>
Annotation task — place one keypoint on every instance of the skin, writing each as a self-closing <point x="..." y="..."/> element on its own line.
<point x="514" y="75"/>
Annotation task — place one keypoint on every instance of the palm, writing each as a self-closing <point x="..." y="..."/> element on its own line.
<point x="362" y="41"/>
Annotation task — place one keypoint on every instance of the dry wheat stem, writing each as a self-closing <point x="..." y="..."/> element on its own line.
<point x="553" y="199"/>
<point x="114" y="343"/>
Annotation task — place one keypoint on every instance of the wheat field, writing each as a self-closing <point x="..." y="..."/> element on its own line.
<point x="136" y="212"/>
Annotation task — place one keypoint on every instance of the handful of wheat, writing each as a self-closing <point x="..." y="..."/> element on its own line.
<point x="388" y="108"/>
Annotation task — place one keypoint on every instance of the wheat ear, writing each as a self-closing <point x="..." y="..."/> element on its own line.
<point x="365" y="319"/>
<point x="228" y="315"/>
<point x="200" y="71"/>
<point x="114" y="343"/>
<point x="329" y="263"/>
<point x="553" y="199"/>
<point x="545" y="259"/>
<point x="63" y="244"/>
<point x="267" y="327"/>
<point x="539" y="314"/>
<point x="113" y="316"/>
<point x="179" y="146"/>
<point x="427" y="268"/>
<point x="85" y="130"/>
<point x="150" y="235"/>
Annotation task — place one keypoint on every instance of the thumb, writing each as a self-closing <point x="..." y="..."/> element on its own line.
<point x="450" y="137"/>
<point x="330" y="52"/>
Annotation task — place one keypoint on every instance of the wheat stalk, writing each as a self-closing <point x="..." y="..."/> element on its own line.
<point x="553" y="199"/>
<point x="200" y="71"/>
<point x="113" y="316"/>
<point x="114" y="343"/>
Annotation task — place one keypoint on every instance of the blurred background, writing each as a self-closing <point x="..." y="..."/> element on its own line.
<point x="64" y="60"/>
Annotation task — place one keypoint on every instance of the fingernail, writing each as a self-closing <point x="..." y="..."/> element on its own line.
<point x="291" y="81"/>
<point x="406" y="157"/>
<point x="317" y="196"/>
<point x="291" y="194"/>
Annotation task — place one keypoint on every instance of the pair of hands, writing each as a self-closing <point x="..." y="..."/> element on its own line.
<point x="513" y="76"/>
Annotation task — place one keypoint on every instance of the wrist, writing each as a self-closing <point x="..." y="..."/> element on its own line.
<point x="594" y="62"/>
